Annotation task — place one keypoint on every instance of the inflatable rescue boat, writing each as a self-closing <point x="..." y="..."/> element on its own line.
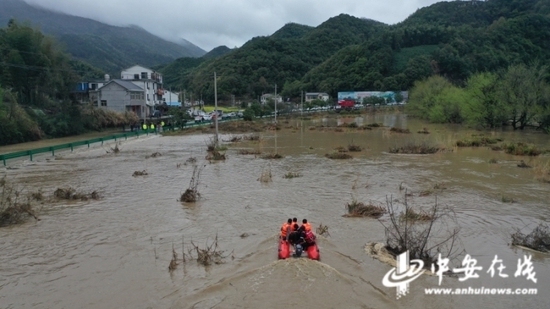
<point x="284" y="251"/>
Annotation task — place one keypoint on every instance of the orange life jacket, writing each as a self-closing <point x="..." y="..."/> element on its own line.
<point x="307" y="226"/>
<point x="284" y="229"/>
<point x="294" y="227"/>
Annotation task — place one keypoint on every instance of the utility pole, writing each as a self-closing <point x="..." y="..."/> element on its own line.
<point x="275" y="103"/>
<point x="216" y="108"/>
<point x="302" y="103"/>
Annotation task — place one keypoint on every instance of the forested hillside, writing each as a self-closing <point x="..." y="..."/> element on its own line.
<point x="36" y="83"/>
<point x="174" y="72"/>
<point x="452" y="39"/>
<point x="107" y="47"/>
<point x="282" y="58"/>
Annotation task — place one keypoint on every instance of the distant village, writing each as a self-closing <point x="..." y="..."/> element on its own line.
<point x="141" y="91"/>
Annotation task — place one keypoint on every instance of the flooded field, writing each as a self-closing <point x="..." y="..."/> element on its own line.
<point x="115" y="252"/>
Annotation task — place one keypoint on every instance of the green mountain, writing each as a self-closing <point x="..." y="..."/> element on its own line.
<point x="279" y="59"/>
<point x="453" y="39"/>
<point x="174" y="72"/>
<point x="217" y="52"/>
<point x="107" y="47"/>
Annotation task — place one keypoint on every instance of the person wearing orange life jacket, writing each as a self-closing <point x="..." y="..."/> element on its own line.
<point x="306" y="225"/>
<point x="286" y="228"/>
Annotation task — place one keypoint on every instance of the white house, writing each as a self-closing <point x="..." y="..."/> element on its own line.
<point x="139" y="90"/>
<point x="310" y="96"/>
<point x="269" y="96"/>
<point x="149" y="80"/>
<point x="171" y="98"/>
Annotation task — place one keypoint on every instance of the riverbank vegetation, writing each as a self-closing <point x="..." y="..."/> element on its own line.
<point x="517" y="96"/>
<point x="477" y="141"/>
<point x="38" y="90"/>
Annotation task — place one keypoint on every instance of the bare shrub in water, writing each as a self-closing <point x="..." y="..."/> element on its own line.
<point x="154" y="155"/>
<point x="211" y="145"/>
<point x="322" y="230"/>
<point x="338" y="156"/>
<point x="192" y="194"/>
<point x="423" y="241"/>
<point x="272" y="156"/>
<point x="354" y="147"/>
<point x="358" y="209"/>
<point x="538" y="239"/>
<point x="70" y="193"/>
<point x="12" y="209"/>
<point x="412" y="148"/>
<point x="399" y="130"/>
<point x="413" y="215"/>
<point x="206" y="256"/>
<point x="139" y="173"/>
<point x="215" y="155"/>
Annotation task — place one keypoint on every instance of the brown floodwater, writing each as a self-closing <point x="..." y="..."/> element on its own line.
<point x="115" y="252"/>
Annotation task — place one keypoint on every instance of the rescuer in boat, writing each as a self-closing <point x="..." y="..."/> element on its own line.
<point x="302" y="240"/>
<point x="287" y="226"/>
<point x="306" y="225"/>
<point x="295" y="225"/>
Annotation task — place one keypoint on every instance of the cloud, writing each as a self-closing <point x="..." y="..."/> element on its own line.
<point x="209" y="23"/>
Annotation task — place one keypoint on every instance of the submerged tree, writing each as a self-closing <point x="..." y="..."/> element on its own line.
<point x="424" y="241"/>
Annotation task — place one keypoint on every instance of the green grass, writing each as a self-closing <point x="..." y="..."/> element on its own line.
<point x="477" y="141"/>
<point x="521" y="149"/>
<point x="290" y="175"/>
<point x="208" y="109"/>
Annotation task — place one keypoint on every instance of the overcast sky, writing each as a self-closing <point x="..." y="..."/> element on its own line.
<point x="211" y="23"/>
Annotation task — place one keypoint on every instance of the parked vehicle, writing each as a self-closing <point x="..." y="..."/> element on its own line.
<point x="346" y="104"/>
<point x="200" y="117"/>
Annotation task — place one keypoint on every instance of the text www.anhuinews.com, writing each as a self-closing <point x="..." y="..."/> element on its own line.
<point x="480" y="291"/>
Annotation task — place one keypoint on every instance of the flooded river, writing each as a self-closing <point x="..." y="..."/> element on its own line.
<point x="115" y="252"/>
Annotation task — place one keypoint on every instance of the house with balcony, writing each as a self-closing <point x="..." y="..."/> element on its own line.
<point x="139" y="90"/>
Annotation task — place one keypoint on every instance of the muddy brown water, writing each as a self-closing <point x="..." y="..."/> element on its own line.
<point x="115" y="252"/>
